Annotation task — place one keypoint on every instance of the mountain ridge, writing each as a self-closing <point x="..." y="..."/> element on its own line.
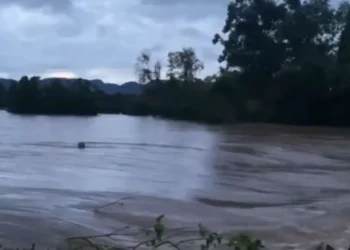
<point x="131" y="87"/>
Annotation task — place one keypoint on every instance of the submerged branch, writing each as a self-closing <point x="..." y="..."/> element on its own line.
<point x="112" y="203"/>
<point x="114" y="233"/>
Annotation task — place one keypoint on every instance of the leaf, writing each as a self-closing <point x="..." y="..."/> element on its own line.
<point x="159" y="229"/>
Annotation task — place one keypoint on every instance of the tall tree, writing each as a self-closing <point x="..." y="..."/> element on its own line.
<point x="143" y="68"/>
<point x="310" y="32"/>
<point x="184" y="65"/>
<point x="3" y="94"/>
<point x="344" y="43"/>
<point x="157" y="70"/>
<point x="251" y="29"/>
<point x="342" y="68"/>
<point x="145" y="72"/>
<point x="264" y="35"/>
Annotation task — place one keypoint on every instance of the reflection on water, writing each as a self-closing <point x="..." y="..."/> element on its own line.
<point x="244" y="177"/>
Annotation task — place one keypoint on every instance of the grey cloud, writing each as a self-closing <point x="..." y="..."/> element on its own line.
<point x="210" y="53"/>
<point x="69" y="27"/>
<point x="187" y="9"/>
<point x="98" y="36"/>
<point x="188" y="2"/>
<point x="193" y="32"/>
<point x="156" y="48"/>
<point x="54" y="5"/>
<point x="102" y="29"/>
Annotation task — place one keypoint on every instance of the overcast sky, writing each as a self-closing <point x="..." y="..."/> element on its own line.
<point x="102" y="38"/>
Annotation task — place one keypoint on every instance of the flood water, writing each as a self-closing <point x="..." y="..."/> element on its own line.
<point x="284" y="184"/>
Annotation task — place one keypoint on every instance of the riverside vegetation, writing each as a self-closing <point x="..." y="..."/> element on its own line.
<point x="158" y="235"/>
<point x="282" y="61"/>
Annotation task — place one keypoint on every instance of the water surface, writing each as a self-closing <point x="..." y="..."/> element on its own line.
<point x="286" y="184"/>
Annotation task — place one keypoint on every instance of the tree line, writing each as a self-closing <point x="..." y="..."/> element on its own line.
<point x="28" y="96"/>
<point x="282" y="61"/>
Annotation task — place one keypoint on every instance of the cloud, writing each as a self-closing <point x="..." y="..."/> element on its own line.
<point x="186" y="9"/>
<point x="61" y="74"/>
<point x="192" y="32"/>
<point x="54" y="5"/>
<point x="102" y="39"/>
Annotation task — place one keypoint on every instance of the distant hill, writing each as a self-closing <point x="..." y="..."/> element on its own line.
<point x="132" y="88"/>
<point x="111" y="88"/>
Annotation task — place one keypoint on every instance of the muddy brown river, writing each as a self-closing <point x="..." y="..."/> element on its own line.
<point x="288" y="185"/>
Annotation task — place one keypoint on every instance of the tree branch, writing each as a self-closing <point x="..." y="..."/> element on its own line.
<point x="112" y="203"/>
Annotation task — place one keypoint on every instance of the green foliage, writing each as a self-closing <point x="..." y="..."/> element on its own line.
<point x="159" y="227"/>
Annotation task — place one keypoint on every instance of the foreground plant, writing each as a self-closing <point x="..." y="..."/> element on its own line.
<point x="158" y="235"/>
